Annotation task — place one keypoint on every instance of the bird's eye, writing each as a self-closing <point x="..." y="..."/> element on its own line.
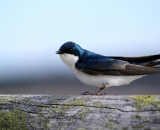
<point x="68" y="50"/>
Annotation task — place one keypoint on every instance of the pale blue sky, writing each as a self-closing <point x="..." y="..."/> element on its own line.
<point x="31" y="31"/>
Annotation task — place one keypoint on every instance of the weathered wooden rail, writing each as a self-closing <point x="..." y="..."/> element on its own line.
<point x="59" y="112"/>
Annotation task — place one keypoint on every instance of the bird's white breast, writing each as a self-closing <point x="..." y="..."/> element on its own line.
<point x="69" y="59"/>
<point x="96" y="80"/>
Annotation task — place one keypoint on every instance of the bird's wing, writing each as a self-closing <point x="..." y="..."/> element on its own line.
<point x="145" y="60"/>
<point x="97" y="65"/>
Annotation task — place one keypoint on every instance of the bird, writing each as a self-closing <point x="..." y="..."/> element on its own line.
<point x="101" y="71"/>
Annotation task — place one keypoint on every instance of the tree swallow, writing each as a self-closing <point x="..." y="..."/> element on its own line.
<point x="105" y="71"/>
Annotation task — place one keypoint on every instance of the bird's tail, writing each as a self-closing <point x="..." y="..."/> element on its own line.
<point x="152" y="61"/>
<point x="153" y="64"/>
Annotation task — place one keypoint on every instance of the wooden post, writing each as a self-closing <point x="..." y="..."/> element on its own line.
<point x="60" y="112"/>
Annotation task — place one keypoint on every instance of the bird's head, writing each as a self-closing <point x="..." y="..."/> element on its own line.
<point x="70" y="48"/>
<point x="70" y="53"/>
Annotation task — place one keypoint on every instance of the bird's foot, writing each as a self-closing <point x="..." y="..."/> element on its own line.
<point x="86" y="93"/>
<point x="98" y="94"/>
<point x="95" y="94"/>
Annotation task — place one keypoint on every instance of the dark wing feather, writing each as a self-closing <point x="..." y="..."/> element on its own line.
<point x="132" y="69"/>
<point x="96" y="65"/>
<point x="139" y="59"/>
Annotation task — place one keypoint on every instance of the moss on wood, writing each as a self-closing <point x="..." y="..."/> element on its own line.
<point x="145" y="100"/>
<point x="12" y="120"/>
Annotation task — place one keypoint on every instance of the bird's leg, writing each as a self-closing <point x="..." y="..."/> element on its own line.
<point x="101" y="89"/>
<point x="97" y="93"/>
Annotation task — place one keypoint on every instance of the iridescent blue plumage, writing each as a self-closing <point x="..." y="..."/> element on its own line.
<point x="71" y="48"/>
<point x="98" y="62"/>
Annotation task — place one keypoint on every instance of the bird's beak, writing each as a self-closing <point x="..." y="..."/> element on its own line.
<point x="59" y="52"/>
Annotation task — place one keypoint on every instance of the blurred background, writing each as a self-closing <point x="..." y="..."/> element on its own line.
<point x="32" y="31"/>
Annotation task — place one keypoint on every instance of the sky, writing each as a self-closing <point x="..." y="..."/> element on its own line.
<point x="32" y="31"/>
